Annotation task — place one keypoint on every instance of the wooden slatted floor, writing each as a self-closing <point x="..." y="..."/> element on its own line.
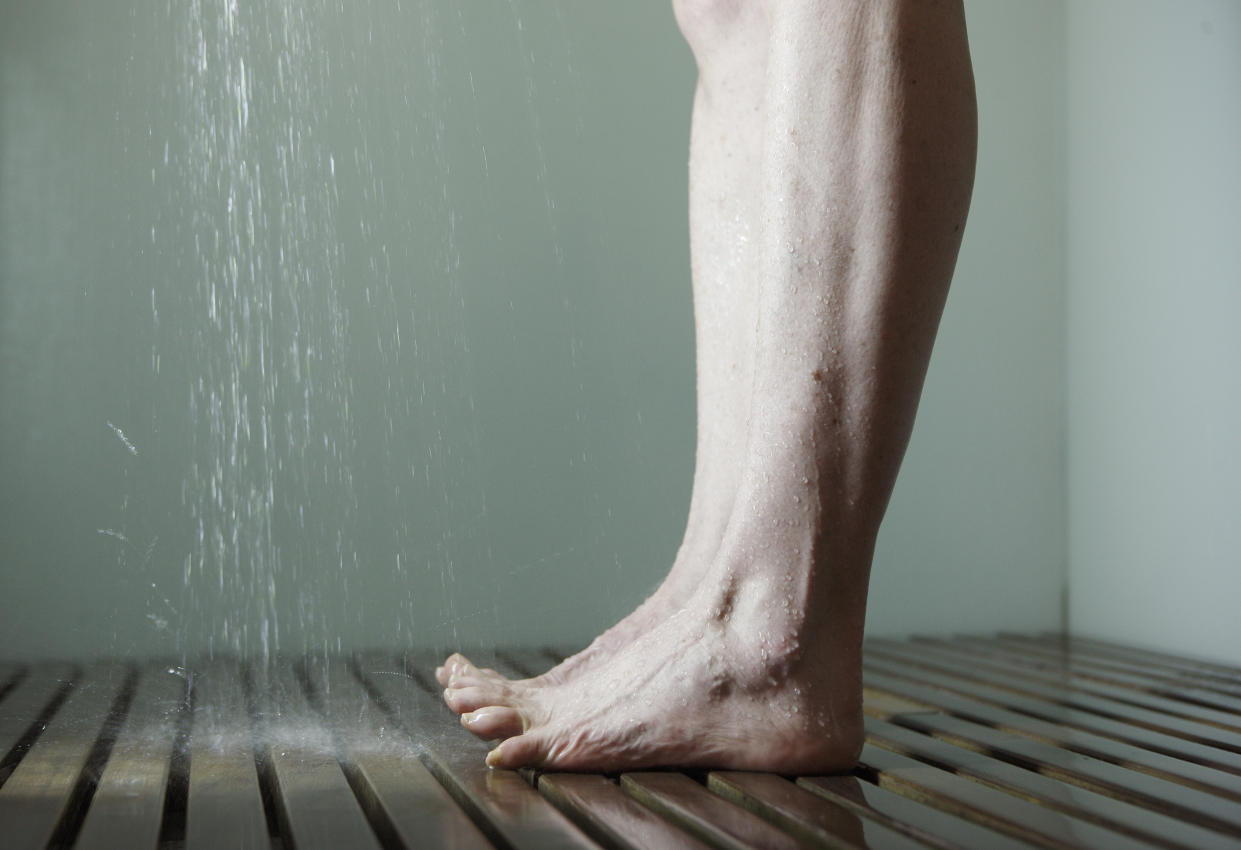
<point x="997" y="742"/>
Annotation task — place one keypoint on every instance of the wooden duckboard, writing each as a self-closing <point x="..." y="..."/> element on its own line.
<point x="990" y="742"/>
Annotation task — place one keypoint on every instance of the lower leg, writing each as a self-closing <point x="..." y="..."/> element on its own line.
<point x="725" y="149"/>
<point x="864" y="179"/>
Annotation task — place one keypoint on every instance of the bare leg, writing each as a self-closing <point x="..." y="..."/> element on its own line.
<point x="725" y="147"/>
<point x="864" y="170"/>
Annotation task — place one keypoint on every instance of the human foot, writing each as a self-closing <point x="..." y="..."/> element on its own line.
<point x="487" y="685"/>
<point x="731" y="680"/>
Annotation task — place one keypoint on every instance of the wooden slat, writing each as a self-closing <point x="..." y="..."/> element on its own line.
<point x="924" y="658"/>
<point x="1049" y="666"/>
<point x="1077" y="730"/>
<point x="224" y="807"/>
<point x="1063" y="738"/>
<point x="994" y="809"/>
<point x="603" y="810"/>
<point x="1169" y="797"/>
<point x="129" y="802"/>
<point x="318" y="808"/>
<point x="504" y="805"/>
<point x="1206" y="670"/>
<point x="812" y="816"/>
<point x="1179" y="684"/>
<point x="29" y="699"/>
<point x="384" y="766"/>
<point x="706" y="815"/>
<point x="39" y="793"/>
<point x="1137" y="821"/>
<point x="926" y="823"/>
<point x="9" y="673"/>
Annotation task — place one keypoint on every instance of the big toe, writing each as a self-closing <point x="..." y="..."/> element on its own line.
<point x="494" y="721"/>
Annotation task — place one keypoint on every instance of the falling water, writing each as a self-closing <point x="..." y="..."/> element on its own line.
<point x="270" y="487"/>
<point x="296" y="353"/>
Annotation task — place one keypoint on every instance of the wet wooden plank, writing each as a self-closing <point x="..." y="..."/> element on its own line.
<point x="884" y="705"/>
<point x="317" y="807"/>
<point x="928" y="824"/>
<point x="40" y="791"/>
<point x="224" y="807"/>
<point x="504" y="806"/>
<point x="1070" y="739"/>
<point x="1201" y="668"/>
<point x="128" y="805"/>
<point x="924" y="657"/>
<point x="989" y="807"/>
<point x="9" y="673"/>
<point x="1181" y="684"/>
<point x="1153" y="752"/>
<point x="384" y="767"/>
<point x="615" y="819"/>
<point x="1137" y="821"/>
<point x="29" y="699"/>
<point x="1004" y="659"/>
<point x="817" y="818"/>
<point x="707" y="816"/>
<point x="1105" y="777"/>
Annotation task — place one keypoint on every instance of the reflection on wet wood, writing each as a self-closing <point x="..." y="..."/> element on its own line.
<point x="706" y="815"/>
<point x="1019" y="818"/>
<point x="1072" y="729"/>
<point x="988" y="682"/>
<point x="42" y="798"/>
<point x="128" y="805"/>
<point x="316" y="806"/>
<point x="927" y="824"/>
<point x="224" y="807"/>
<point x="384" y="765"/>
<point x="503" y="804"/>
<point x="603" y="810"/>
<point x="1139" y="821"/>
<point x="31" y="698"/>
<point x="989" y="743"/>
<point x="801" y="812"/>
<point x="1093" y="773"/>
<point x="1002" y="657"/>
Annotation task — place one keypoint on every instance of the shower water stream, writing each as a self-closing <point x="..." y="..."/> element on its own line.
<point x="323" y="326"/>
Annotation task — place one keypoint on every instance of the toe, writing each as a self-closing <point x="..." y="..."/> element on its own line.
<point x="451" y="667"/>
<point x="458" y="668"/>
<point x="475" y="697"/>
<point x="494" y="721"/>
<point x="480" y="679"/>
<point x="528" y="750"/>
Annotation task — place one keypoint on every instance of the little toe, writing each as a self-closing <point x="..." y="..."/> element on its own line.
<point x="450" y="668"/>
<point x="494" y="721"/>
<point x="460" y="668"/>
<point x="528" y="750"/>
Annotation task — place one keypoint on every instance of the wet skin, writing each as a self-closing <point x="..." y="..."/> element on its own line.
<point x="831" y="164"/>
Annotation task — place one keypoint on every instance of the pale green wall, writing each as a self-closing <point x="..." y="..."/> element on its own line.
<point x="1154" y="334"/>
<point x="974" y="538"/>
<point x="482" y="245"/>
